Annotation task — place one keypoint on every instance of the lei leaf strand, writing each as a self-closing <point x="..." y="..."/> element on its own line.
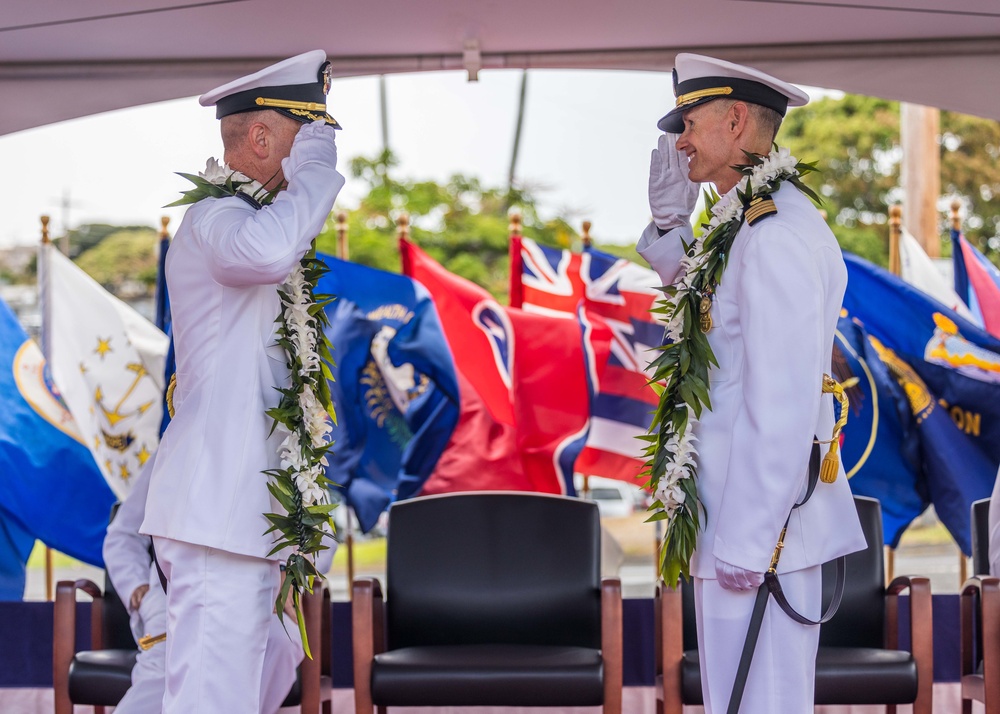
<point x="302" y="415"/>
<point x="683" y="364"/>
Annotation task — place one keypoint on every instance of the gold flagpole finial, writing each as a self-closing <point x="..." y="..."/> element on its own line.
<point x="341" y="223"/>
<point x="514" y="227"/>
<point x="45" y="230"/>
<point x="956" y="218"/>
<point x="403" y="226"/>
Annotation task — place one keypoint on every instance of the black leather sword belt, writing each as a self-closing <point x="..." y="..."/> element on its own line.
<point x="772" y="587"/>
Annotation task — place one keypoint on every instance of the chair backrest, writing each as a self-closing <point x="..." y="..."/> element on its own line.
<point x="860" y="621"/>
<point x="493" y="568"/>
<point x="981" y="537"/>
<point x="116" y="631"/>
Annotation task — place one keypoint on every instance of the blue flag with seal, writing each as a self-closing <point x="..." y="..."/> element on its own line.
<point x="50" y="487"/>
<point x="949" y="371"/>
<point x="881" y="448"/>
<point x="394" y="387"/>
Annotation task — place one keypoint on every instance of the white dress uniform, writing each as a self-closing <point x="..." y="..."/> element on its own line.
<point x="129" y="564"/>
<point x="207" y="495"/>
<point x="994" y="524"/>
<point x="774" y="317"/>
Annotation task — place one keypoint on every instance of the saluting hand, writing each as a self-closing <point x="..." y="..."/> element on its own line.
<point x="672" y="195"/>
<point x="315" y="142"/>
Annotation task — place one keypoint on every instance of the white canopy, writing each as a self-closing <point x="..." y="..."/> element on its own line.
<point x="60" y="60"/>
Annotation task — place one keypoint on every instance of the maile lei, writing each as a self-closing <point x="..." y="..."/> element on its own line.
<point x="681" y="369"/>
<point x="300" y="484"/>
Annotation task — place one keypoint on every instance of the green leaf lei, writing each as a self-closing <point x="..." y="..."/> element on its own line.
<point x="681" y="367"/>
<point x="300" y="484"/>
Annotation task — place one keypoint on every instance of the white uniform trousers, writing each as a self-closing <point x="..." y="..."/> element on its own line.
<point x="145" y="696"/>
<point x="783" y="671"/>
<point x="219" y="612"/>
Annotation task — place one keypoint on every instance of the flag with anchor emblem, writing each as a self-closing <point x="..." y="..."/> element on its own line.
<point x="108" y="363"/>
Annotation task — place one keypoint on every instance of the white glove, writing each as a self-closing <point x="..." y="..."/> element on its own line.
<point x="733" y="577"/>
<point x="315" y="142"/>
<point x="672" y="195"/>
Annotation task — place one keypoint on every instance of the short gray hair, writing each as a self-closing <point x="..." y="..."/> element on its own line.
<point x="768" y="120"/>
<point x="234" y="126"/>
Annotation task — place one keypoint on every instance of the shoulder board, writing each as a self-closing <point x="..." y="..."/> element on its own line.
<point x="251" y="200"/>
<point x="758" y="209"/>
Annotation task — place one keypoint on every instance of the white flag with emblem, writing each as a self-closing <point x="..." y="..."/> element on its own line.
<point x="107" y="361"/>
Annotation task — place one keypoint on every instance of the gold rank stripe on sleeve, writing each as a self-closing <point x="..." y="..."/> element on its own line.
<point x="759" y="209"/>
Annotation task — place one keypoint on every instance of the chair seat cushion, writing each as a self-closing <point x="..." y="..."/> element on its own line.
<point x="860" y="675"/>
<point x="484" y="675"/>
<point x="101" y="677"/>
<point x="844" y="675"/>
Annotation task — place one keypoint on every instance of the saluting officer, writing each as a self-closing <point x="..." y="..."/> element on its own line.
<point x="771" y="326"/>
<point x="207" y="494"/>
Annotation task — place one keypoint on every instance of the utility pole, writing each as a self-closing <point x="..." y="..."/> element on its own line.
<point x="64" y="241"/>
<point x="921" y="174"/>
<point x="384" y="106"/>
<point x="517" y="130"/>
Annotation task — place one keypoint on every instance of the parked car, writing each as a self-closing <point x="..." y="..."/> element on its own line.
<point x="615" y="499"/>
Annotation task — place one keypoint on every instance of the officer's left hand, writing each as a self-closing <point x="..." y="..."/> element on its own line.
<point x="733" y="577"/>
<point x="137" y="595"/>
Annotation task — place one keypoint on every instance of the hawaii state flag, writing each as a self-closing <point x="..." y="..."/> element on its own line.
<point x="977" y="281"/>
<point x="525" y="383"/>
<point x="550" y="281"/>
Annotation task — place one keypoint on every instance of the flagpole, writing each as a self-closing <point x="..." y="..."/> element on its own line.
<point x="161" y="297"/>
<point x="585" y="235"/>
<point x="349" y="540"/>
<point x="956" y="218"/>
<point x="45" y="337"/>
<point x="895" y="230"/>
<point x="343" y="251"/>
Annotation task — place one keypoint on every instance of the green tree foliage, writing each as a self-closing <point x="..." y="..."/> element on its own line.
<point x="462" y="223"/>
<point x="855" y="142"/>
<point x="89" y="235"/>
<point x="124" y="254"/>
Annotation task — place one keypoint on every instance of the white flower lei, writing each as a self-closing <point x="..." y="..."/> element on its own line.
<point x="681" y="369"/>
<point x="305" y="409"/>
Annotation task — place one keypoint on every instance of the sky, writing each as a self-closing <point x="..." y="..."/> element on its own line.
<point x="585" y="146"/>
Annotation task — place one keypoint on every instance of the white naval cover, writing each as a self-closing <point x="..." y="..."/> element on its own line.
<point x="774" y="317"/>
<point x="223" y="269"/>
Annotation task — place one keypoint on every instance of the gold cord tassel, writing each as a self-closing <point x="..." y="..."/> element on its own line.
<point x="147" y="642"/>
<point x="831" y="462"/>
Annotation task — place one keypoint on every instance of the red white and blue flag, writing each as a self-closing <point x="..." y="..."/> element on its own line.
<point x="977" y="282"/>
<point x="525" y="382"/>
<point x="556" y="282"/>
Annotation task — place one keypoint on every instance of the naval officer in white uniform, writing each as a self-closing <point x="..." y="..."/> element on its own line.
<point x="773" y="320"/>
<point x="207" y="493"/>
<point x="130" y="566"/>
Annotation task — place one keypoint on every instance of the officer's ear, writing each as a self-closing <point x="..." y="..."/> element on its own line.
<point x="259" y="139"/>
<point x="739" y="114"/>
